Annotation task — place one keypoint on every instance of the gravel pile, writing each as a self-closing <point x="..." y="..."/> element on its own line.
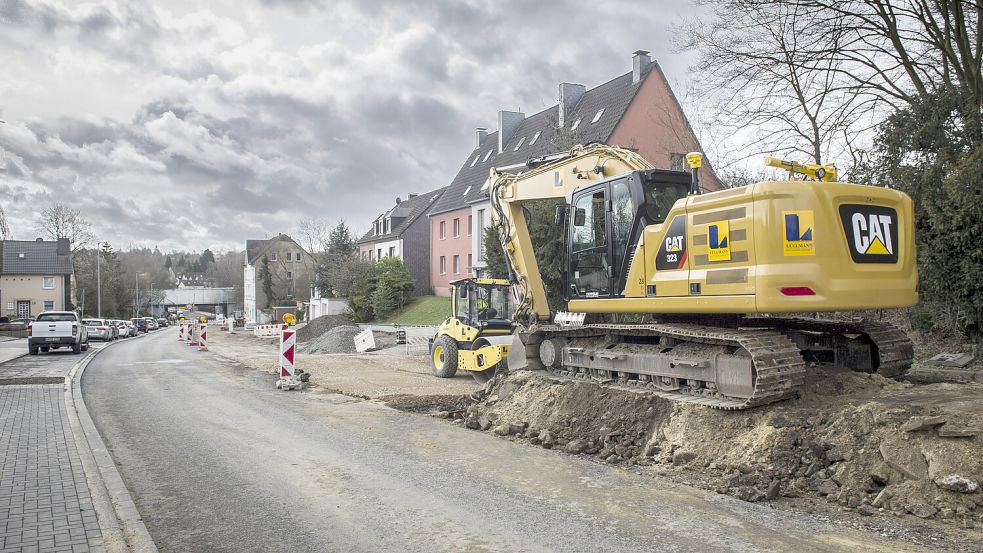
<point x="340" y="339"/>
<point x="319" y="325"/>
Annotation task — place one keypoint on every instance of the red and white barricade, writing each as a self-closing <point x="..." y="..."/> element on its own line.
<point x="264" y="331"/>
<point x="180" y="331"/>
<point x="288" y="369"/>
<point x="202" y="338"/>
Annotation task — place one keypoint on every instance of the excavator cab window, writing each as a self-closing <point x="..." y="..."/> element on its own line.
<point x="589" y="261"/>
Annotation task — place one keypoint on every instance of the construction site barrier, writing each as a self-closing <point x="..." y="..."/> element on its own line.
<point x="268" y="330"/>
<point x="203" y="338"/>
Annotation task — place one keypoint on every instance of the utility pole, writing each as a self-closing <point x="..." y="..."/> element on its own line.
<point x="136" y="294"/>
<point x="98" y="281"/>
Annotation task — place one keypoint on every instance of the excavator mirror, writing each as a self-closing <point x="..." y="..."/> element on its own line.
<point x="579" y="217"/>
<point x="560" y="216"/>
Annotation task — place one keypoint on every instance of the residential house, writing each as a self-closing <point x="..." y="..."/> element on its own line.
<point x="404" y="232"/>
<point x="291" y="271"/>
<point x="35" y="276"/>
<point x="636" y="110"/>
<point x="193" y="280"/>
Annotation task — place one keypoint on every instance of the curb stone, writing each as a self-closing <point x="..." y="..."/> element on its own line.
<point x="122" y="528"/>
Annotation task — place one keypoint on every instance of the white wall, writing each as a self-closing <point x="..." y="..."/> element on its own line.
<point x="479" y="211"/>
<point x="249" y="292"/>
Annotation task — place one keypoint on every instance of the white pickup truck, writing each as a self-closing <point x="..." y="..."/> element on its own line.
<point x="56" y="329"/>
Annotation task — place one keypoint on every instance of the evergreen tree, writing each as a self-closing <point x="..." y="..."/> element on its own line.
<point x="267" y="279"/>
<point x="494" y="255"/>
<point x="206" y="258"/>
<point x="393" y="286"/>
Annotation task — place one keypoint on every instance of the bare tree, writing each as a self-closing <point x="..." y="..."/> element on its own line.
<point x="61" y="221"/>
<point x="4" y="228"/>
<point x="813" y="76"/>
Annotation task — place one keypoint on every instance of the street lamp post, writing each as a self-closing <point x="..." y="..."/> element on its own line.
<point x="98" y="281"/>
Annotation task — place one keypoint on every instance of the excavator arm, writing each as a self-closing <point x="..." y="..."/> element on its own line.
<point x="551" y="177"/>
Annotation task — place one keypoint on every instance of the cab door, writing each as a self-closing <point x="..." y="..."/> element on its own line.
<point x="590" y="261"/>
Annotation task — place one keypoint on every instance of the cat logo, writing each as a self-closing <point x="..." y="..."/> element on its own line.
<point x="718" y="241"/>
<point x="674" y="243"/>
<point x="872" y="233"/>
<point x="798" y="233"/>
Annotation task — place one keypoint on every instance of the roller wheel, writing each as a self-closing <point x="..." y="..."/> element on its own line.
<point x="45" y="349"/>
<point x="444" y="357"/>
<point x="482" y="377"/>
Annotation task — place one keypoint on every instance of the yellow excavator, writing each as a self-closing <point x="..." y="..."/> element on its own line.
<point x="692" y="296"/>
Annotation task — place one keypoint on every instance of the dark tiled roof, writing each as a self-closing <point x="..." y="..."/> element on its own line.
<point x="256" y="248"/>
<point x="613" y="97"/>
<point x="408" y="210"/>
<point x="39" y="258"/>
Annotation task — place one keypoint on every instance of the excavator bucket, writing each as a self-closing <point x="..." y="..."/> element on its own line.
<point x="517" y="354"/>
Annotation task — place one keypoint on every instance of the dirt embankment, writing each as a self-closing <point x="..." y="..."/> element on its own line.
<point x="866" y="443"/>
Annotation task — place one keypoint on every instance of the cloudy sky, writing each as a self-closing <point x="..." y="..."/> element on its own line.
<point x="194" y="124"/>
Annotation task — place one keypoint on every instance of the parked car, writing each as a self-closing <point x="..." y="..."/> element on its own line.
<point x="162" y="322"/>
<point x="131" y="329"/>
<point x="152" y="323"/>
<point x="99" y="329"/>
<point x="56" y="329"/>
<point x="141" y="324"/>
<point x="121" y="328"/>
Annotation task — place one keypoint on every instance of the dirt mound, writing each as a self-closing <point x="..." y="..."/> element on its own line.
<point x="340" y="339"/>
<point x="319" y="325"/>
<point x="861" y="441"/>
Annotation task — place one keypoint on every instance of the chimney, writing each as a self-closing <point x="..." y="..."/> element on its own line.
<point x="639" y="60"/>
<point x="411" y="196"/>
<point x="570" y="94"/>
<point x="479" y="133"/>
<point x="508" y="121"/>
<point x="398" y="200"/>
<point x="63" y="246"/>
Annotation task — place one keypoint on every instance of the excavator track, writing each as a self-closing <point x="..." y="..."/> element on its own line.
<point x="777" y="357"/>
<point x="778" y="365"/>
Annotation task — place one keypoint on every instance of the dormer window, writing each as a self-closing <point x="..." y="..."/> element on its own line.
<point x="389" y="225"/>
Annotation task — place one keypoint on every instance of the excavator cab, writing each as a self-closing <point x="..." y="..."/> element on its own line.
<point x="606" y="220"/>
<point x="477" y="336"/>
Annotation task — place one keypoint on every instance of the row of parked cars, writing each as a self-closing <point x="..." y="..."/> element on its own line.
<point x="55" y="329"/>
<point x="108" y="330"/>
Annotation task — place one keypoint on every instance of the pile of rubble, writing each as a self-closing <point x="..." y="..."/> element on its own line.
<point x="340" y="339"/>
<point x="866" y="443"/>
<point x="319" y="325"/>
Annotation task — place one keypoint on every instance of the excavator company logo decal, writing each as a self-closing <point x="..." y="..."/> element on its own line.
<point x="798" y="239"/>
<point x="672" y="251"/>
<point x="718" y="241"/>
<point x="872" y="233"/>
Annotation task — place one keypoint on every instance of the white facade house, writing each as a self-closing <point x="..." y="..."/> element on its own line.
<point x="480" y="220"/>
<point x="249" y="291"/>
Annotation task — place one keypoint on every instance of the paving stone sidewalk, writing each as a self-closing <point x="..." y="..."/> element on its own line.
<point x="45" y="504"/>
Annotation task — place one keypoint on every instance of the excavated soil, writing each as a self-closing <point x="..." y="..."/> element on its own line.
<point x="862" y="442"/>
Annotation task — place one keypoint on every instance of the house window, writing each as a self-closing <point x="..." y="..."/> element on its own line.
<point x="488" y="155"/>
<point x="597" y="116"/>
<point x="475" y="160"/>
<point x="443" y="230"/>
<point x="273" y="256"/>
<point x="481" y="235"/>
<point x="469" y="225"/>
<point x="469" y="263"/>
<point x="49" y="305"/>
<point x="457" y="227"/>
<point x="677" y="162"/>
<point x="443" y="265"/>
<point x="392" y="251"/>
<point x="389" y="225"/>
<point x="457" y="264"/>
<point x="519" y="145"/>
<point x="378" y="254"/>
<point x="290" y="275"/>
<point x="48" y="283"/>
<point x="535" y="137"/>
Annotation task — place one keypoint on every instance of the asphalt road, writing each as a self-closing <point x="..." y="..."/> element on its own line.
<point x="218" y="460"/>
